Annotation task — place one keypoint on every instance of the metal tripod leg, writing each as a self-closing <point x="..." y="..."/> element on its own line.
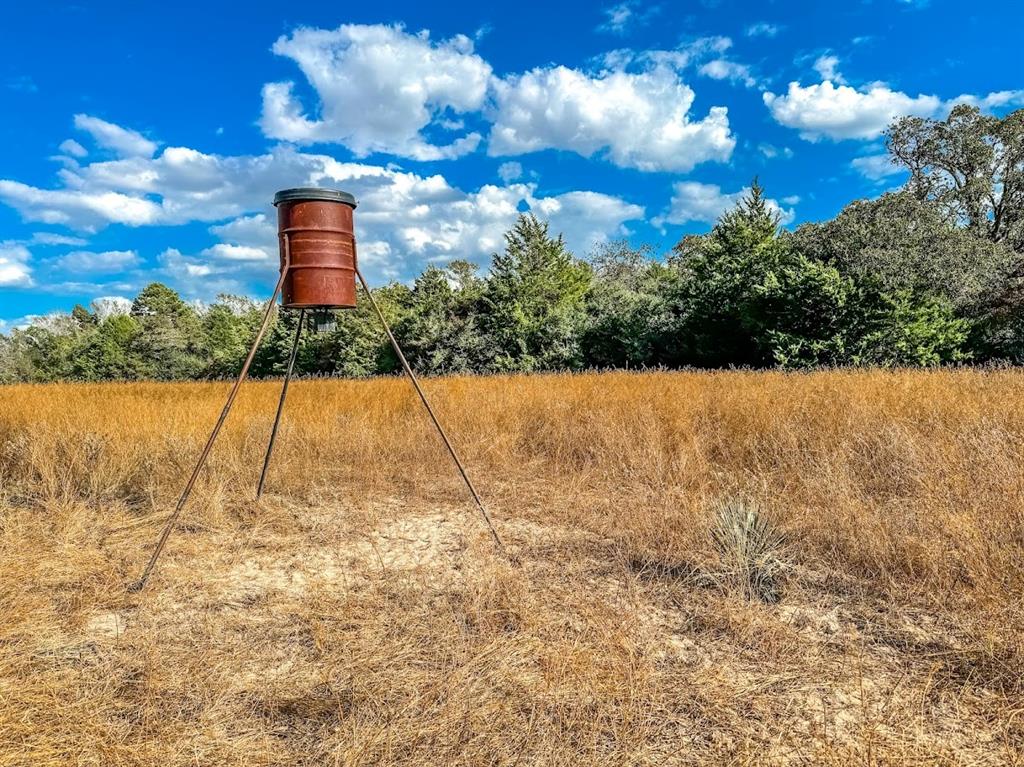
<point x="430" y="411"/>
<point x="280" y="405"/>
<point x="141" y="583"/>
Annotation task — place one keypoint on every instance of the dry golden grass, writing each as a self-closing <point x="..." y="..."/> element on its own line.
<point x="358" y="614"/>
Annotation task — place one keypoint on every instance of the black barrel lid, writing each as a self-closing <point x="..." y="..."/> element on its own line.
<point x="313" y="193"/>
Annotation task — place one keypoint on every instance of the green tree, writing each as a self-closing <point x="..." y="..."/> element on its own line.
<point x="972" y="164"/>
<point x="908" y="244"/>
<point x="28" y="355"/>
<point x="905" y="329"/>
<point x="229" y="327"/>
<point x="723" y="312"/>
<point x="170" y="342"/>
<point x="272" y="355"/>
<point x="83" y="317"/>
<point x="754" y="299"/>
<point x="109" y="354"/>
<point x="812" y="314"/>
<point x="357" y="346"/>
<point x="831" y="320"/>
<point x="629" y="308"/>
<point x="441" y="333"/>
<point x="534" y="303"/>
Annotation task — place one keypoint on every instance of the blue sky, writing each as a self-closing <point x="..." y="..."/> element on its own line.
<point x="144" y="141"/>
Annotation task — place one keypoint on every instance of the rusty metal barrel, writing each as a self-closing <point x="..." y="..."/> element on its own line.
<point x="317" y="235"/>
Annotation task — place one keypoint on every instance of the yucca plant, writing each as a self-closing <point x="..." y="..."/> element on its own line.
<point x="751" y="549"/>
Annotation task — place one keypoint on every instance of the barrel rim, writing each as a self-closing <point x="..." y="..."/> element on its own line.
<point x="314" y="194"/>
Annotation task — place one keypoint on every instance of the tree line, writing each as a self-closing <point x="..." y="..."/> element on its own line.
<point x="927" y="275"/>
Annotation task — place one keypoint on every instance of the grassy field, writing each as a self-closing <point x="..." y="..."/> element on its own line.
<point x="359" y="615"/>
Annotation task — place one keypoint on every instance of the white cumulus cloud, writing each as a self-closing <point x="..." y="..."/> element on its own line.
<point x="836" y="110"/>
<point x="254" y="234"/>
<point x="828" y="67"/>
<point x="78" y="208"/>
<point x="991" y="101"/>
<point x="231" y="252"/>
<point x="14" y="265"/>
<point x="587" y="219"/>
<point x="186" y="271"/>
<point x="126" y="143"/>
<point x="107" y="262"/>
<point x="828" y="110"/>
<point x="618" y="17"/>
<point x="378" y="88"/>
<point x="624" y="16"/>
<point x="73" y="148"/>
<point x="637" y="120"/>
<point x="876" y="167"/>
<point x="724" y="69"/>
<point x="510" y="171"/>
<point x="52" y="238"/>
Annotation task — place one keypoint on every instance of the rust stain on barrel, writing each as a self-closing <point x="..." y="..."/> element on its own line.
<point x="317" y="226"/>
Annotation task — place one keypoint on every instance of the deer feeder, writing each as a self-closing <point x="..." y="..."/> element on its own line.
<point x="316" y="233"/>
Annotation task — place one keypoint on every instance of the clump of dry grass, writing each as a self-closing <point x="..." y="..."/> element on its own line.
<point x="358" y="614"/>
